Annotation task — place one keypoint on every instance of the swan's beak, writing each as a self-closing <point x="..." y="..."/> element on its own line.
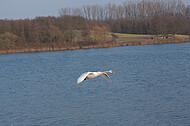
<point x="113" y="72"/>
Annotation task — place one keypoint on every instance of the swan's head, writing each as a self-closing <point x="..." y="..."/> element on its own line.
<point x="111" y="71"/>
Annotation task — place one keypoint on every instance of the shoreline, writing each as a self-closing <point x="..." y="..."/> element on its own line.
<point x="45" y="49"/>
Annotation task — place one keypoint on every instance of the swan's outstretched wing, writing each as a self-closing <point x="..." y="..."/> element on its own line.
<point x="82" y="77"/>
<point x="106" y="76"/>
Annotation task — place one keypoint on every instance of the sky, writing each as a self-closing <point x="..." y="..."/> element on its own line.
<point x="22" y="9"/>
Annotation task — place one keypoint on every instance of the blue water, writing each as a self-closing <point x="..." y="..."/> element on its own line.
<point x="150" y="87"/>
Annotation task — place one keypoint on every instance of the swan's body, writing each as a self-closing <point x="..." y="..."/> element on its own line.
<point x="90" y="75"/>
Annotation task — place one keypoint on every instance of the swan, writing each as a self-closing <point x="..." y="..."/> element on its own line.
<point x="90" y="75"/>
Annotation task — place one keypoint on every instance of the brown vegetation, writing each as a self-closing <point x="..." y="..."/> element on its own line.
<point x="96" y="26"/>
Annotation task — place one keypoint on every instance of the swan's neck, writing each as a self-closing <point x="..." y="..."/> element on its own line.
<point x="106" y="72"/>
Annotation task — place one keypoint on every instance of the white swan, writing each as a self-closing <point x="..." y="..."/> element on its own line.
<point x="90" y="75"/>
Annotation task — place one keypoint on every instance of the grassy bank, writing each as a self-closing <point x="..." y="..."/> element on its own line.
<point x="121" y="40"/>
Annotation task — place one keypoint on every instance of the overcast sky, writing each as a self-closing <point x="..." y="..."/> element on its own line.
<point x="21" y="9"/>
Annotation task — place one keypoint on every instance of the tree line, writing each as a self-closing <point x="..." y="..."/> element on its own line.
<point x="64" y="31"/>
<point x="139" y="17"/>
<point x="91" y="24"/>
<point x="129" y="9"/>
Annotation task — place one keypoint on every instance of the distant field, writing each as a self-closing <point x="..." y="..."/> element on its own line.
<point x="186" y="37"/>
<point x="137" y="37"/>
<point x="147" y="38"/>
<point x="132" y="37"/>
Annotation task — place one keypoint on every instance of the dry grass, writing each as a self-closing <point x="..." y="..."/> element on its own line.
<point x="182" y="37"/>
<point x="147" y="38"/>
<point x="132" y="37"/>
<point x="123" y="40"/>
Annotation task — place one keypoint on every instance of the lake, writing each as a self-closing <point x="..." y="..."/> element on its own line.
<point x="150" y="87"/>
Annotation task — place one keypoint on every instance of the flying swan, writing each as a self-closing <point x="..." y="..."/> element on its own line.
<point x="90" y="75"/>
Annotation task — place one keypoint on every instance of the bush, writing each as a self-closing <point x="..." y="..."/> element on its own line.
<point x="8" y="41"/>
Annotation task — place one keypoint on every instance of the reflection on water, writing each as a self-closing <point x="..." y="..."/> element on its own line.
<point x="150" y="87"/>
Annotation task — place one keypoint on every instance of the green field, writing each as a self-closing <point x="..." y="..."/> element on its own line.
<point x="132" y="37"/>
<point x="136" y="37"/>
<point x="147" y="38"/>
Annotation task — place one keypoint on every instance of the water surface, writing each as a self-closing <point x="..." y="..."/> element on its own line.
<point x="151" y="87"/>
